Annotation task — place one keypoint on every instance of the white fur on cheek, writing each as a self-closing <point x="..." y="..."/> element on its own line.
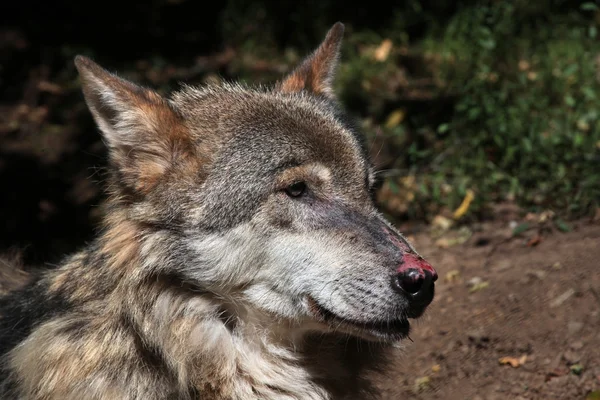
<point x="230" y="258"/>
<point x="275" y="274"/>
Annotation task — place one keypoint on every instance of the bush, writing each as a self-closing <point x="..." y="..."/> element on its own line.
<point x="499" y="99"/>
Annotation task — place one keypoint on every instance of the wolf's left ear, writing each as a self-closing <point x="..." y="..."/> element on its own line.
<point x="143" y="133"/>
<point x="315" y="74"/>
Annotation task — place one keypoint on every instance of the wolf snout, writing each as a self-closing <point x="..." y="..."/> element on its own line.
<point x="415" y="278"/>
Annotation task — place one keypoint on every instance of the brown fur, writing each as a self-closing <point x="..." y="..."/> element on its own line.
<point x="12" y="276"/>
<point x="316" y="72"/>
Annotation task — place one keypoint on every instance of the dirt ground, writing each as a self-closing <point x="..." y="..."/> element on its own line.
<point x="537" y="302"/>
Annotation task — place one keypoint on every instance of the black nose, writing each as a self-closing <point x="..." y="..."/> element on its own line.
<point x="417" y="285"/>
<point x="411" y="280"/>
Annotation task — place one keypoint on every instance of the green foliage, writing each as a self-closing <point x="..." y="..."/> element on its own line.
<point x="519" y="120"/>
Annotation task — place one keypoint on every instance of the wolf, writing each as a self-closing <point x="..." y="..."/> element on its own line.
<point x="241" y="255"/>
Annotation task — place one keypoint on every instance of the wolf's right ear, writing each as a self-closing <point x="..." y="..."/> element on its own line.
<point x="315" y="74"/>
<point x="142" y="131"/>
<point x="116" y="104"/>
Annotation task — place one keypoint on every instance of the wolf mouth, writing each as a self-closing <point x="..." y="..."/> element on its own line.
<point x="388" y="330"/>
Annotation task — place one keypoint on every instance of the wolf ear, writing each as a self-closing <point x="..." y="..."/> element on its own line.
<point x="315" y="74"/>
<point x="142" y="131"/>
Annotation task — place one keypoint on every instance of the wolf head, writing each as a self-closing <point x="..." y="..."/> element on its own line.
<point x="262" y="197"/>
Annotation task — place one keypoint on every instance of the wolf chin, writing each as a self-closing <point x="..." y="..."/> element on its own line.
<point x="240" y="257"/>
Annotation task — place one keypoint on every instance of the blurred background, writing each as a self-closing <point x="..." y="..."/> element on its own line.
<point x="481" y="116"/>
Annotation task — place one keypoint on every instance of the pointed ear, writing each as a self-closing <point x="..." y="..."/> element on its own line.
<point x="315" y="74"/>
<point x="142" y="131"/>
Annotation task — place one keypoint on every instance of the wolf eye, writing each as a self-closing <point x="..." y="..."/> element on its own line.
<point x="296" y="189"/>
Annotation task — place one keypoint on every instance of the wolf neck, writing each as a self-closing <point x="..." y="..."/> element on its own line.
<point x="224" y="350"/>
<point x="222" y="355"/>
<point x="176" y="338"/>
<point x="206" y="338"/>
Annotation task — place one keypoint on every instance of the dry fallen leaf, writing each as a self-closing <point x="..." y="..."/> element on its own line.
<point x="422" y="383"/>
<point x="45" y="86"/>
<point x="557" y="265"/>
<point x="523" y="65"/>
<point x="479" y="286"/>
<point x="555" y="373"/>
<point x="531" y="217"/>
<point x="534" y="241"/>
<point x="532" y="76"/>
<point x="513" y="361"/>
<point x="464" y="206"/>
<point x="441" y="223"/>
<point x="436" y="368"/>
<point x="443" y="243"/>
<point x="383" y="51"/>
<point x="452" y="276"/>
<point x="546" y="215"/>
<point x="453" y="238"/>
<point x="395" y="118"/>
<point x="558" y="301"/>
<point x="583" y="125"/>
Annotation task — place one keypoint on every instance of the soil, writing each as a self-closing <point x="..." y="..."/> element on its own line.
<point x="540" y="306"/>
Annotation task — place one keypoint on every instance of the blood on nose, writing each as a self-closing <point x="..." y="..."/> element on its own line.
<point x="413" y="262"/>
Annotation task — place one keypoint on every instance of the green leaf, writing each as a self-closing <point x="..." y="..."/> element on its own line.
<point x="473" y="113"/>
<point x="595" y="395"/>
<point x="394" y="186"/>
<point x="589" y="6"/>
<point x="577" y="369"/>
<point x="527" y="146"/>
<point x="520" y="229"/>
<point x="443" y="128"/>
<point x="569" y="100"/>
<point x="571" y="69"/>
<point x="487" y="44"/>
<point x="589" y="93"/>
<point x="562" y="225"/>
